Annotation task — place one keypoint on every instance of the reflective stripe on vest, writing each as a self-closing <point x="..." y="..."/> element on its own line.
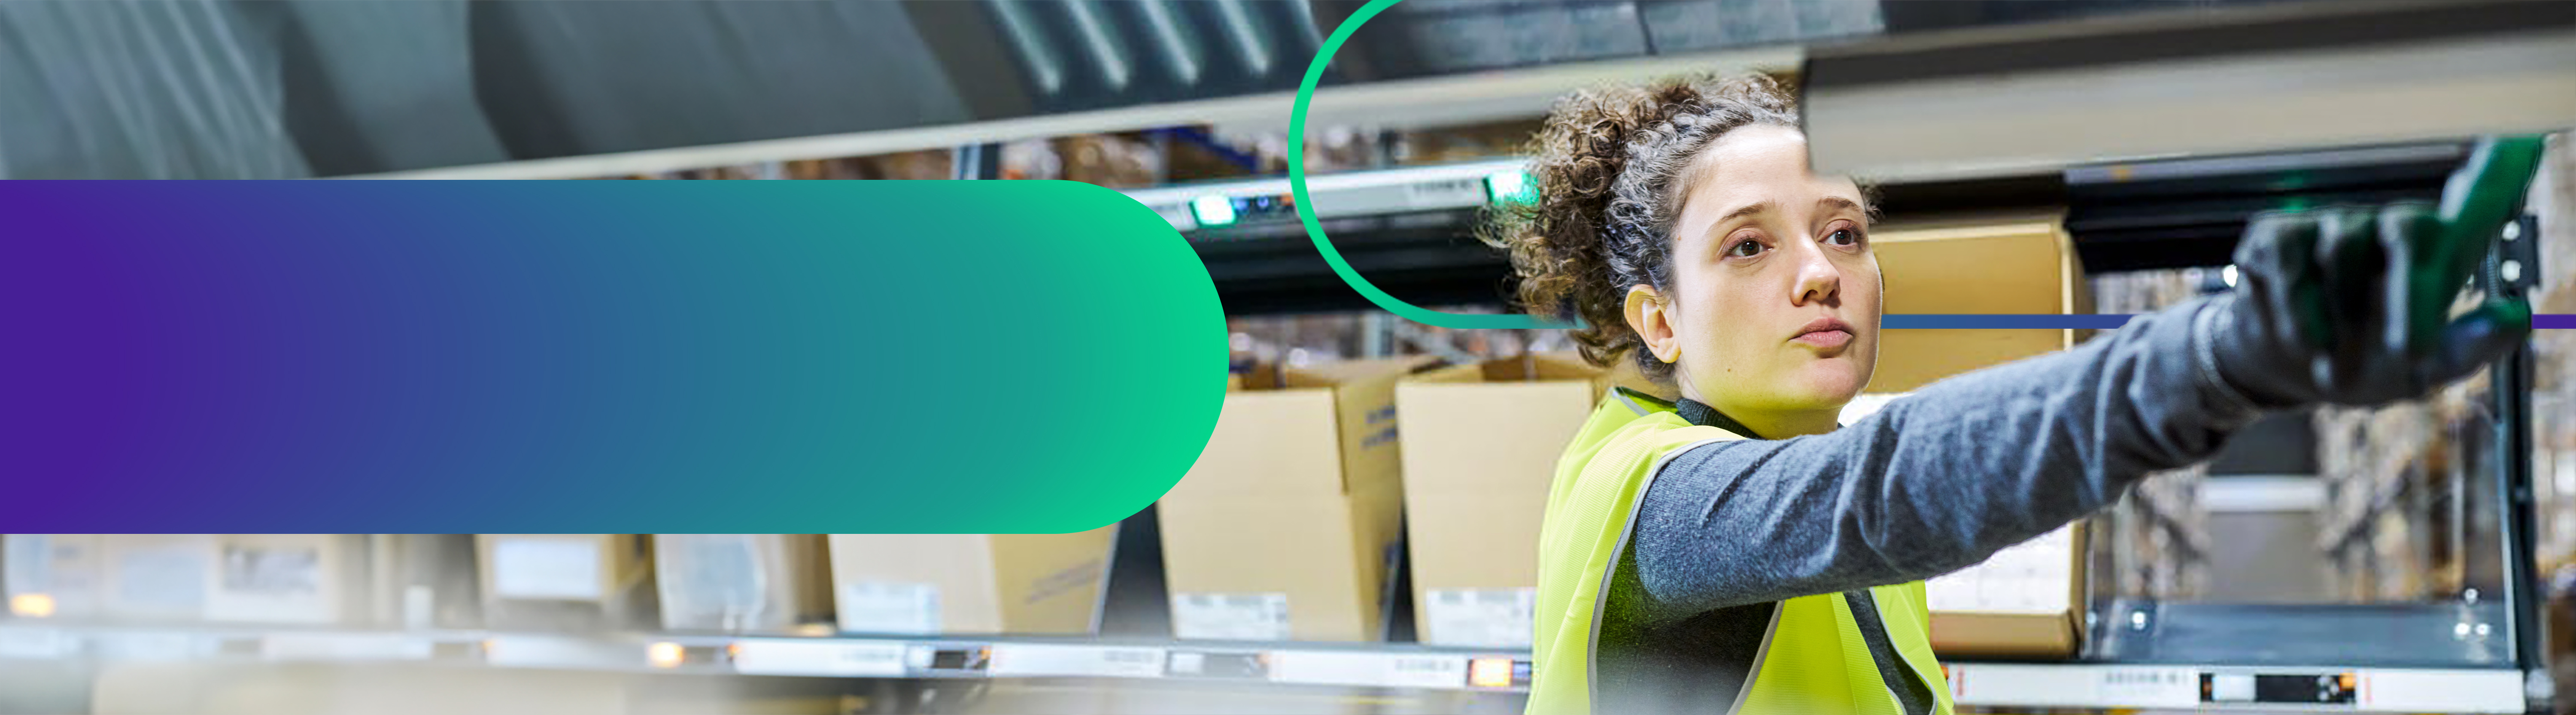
<point x="1814" y="655"/>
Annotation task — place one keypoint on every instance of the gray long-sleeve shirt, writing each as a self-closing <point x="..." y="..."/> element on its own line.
<point x="1932" y="483"/>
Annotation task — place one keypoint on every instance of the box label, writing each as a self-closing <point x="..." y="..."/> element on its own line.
<point x="269" y="583"/>
<point x="2030" y="577"/>
<point x="1488" y="617"/>
<point x="162" y="579"/>
<point x="716" y="581"/>
<point x="560" y="569"/>
<point x="272" y="571"/>
<point x="889" y="607"/>
<point x="1231" y="616"/>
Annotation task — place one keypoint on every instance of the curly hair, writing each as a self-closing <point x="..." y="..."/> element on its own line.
<point x="1609" y="170"/>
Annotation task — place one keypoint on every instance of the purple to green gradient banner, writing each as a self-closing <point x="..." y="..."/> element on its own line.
<point x="602" y="356"/>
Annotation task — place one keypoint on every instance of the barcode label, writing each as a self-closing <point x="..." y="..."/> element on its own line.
<point x="1428" y="671"/>
<point x="1369" y="669"/>
<point x="1479" y="617"/>
<point x="1445" y="194"/>
<point x="759" y="656"/>
<point x="1077" y="660"/>
<point x="2171" y="687"/>
<point x="1231" y="616"/>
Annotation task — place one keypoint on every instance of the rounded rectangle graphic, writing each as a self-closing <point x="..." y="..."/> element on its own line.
<point x="822" y="356"/>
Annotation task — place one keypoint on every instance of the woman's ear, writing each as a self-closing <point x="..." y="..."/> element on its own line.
<point x="1652" y="318"/>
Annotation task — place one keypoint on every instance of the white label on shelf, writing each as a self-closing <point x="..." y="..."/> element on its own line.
<point x="2455" y="691"/>
<point x="553" y="569"/>
<point x="1445" y="193"/>
<point x="1231" y="616"/>
<point x="2148" y="687"/>
<point x="1405" y="670"/>
<point x="1427" y="671"/>
<point x="36" y="643"/>
<point x="889" y="607"/>
<point x="2231" y="688"/>
<point x="1033" y="659"/>
<point x="780" y="656"/>
<point x="562" y="652"/>
<point x="1189" y="663"/>
<point x="343" y="646"/>
<point x="152" y="646"/>
<point x="1483" y="617"/>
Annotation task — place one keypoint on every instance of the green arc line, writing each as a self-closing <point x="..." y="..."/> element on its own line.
<point x="1315" y="230"/>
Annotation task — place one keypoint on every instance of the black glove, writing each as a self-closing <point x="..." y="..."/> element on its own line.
<point x="2352" y="306"/>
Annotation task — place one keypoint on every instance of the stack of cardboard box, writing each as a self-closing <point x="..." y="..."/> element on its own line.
<point x="1481" y="442"/>
<point x="1287" y="526"/>
<point x="2027" y="601"/>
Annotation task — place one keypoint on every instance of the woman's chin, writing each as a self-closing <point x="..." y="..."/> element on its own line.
<point x="1830" y="386"/>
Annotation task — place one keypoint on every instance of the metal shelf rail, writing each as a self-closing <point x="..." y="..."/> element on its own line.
<point x="1395" y="666"/>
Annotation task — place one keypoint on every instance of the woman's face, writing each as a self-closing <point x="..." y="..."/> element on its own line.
<point x="1773" y="312"/>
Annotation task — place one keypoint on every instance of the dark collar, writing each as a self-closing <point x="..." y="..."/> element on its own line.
<point x="1704" y="415"/>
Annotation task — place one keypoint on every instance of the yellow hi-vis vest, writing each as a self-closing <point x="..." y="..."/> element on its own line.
<point x="1812" y="657"/>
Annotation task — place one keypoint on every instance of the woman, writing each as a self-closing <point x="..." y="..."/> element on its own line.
<point x="1736" y="550"/>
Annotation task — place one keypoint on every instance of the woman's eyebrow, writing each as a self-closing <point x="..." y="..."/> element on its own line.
<point x="1743" y="211"/>
<point x="1837" y="202"/>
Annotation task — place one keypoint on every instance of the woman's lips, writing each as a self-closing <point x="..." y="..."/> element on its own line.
<point x="1825" y="338"/>
<point x="1825" y="332"/>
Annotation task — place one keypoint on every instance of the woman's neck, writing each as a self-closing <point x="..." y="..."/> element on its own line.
<point x="1774" y="424"/>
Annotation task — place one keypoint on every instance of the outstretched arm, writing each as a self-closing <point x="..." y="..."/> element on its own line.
<point x="2346" y="306"/>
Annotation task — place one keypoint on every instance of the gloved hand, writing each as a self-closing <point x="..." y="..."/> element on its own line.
<point x="2352" y="306"/>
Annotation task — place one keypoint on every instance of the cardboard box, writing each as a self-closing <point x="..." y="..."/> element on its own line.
<point x="2005" y="264"/>
<point x="2026" y="601"/>
<point x="1481" y="442"/>
<point x="1286" y="527"/>
<point x="741" y="582"/>
<point x="1029" y="584"/>
<point x="565" y="581"/>
<point x="52" y="575"/>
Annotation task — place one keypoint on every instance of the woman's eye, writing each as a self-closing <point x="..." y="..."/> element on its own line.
<point x="1747" y="248"/>
<point x="1843" y="237"/>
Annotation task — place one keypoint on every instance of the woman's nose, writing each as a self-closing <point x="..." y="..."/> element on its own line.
<point x="1818" y="279"/>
